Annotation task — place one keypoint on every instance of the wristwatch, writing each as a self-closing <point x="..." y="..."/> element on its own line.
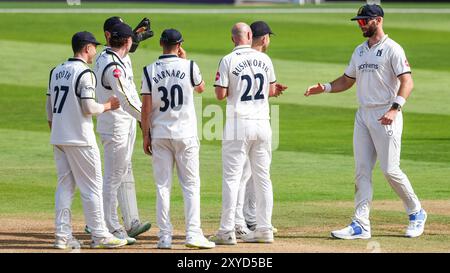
<point x="396" y="106"/>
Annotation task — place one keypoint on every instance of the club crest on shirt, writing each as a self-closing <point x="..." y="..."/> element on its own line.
<point x="407" y="63"/>
<point x="117" y="73"/>
<point x="217" y="76"/>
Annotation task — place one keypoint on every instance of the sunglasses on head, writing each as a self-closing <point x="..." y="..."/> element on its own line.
<point x="365" y="21"/>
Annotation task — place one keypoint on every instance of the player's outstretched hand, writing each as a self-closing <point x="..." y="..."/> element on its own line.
<point x="279" y="88"/>
<point x="182" y="53"/>
<point x="315" y="89"/>
<point x="112" y="104"/>
<point x="147" y="145"/>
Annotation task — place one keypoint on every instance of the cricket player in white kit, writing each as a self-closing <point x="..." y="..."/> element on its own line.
<point x="246" y="78"/>
<point x="169" y="128"/>
<point x="118" y="128"/>
<point x="383" y="83"/>
<point x="70" y="106"/>
<point x="246" y="205"/>
<point x="126" y="194"/>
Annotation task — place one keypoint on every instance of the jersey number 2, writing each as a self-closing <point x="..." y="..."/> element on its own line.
<point x="175" y="90"/>
<point x="248" y="79"/>
<point x="64" y="89"/>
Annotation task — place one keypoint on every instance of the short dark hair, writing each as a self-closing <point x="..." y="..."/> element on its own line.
<point x="78" y="47"/>
<point x="169" y="47"/>
<point x="117" y="42"/>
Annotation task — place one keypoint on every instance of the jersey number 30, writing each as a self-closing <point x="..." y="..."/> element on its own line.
<point x="177" y="91"/>
<point x="248" y="79"/>
<point x="64" y="89"/>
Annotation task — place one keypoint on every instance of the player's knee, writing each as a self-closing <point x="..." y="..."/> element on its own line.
<point x="393" y="174"/>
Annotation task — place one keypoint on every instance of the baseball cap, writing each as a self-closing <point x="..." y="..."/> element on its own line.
<point x="369" y="11"/>
<point x="83" y="38"/>
<point x="171" y="37"/>
<point x="110" y="22"/>
<point x="121" y="30"/>
<point x="260" y="28"/>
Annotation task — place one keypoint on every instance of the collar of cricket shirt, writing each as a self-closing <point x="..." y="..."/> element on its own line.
<point x="382" y="40"/>
<point x="165" y="56"/>
<point x="241" y="47"/>
<point x="110" y="51"/>
<point x="75" y="59"/>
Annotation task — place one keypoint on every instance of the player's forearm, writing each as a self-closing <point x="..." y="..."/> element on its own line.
<point x="341" y="84"/>
<point x="91" y="107"/>
<point x="273" y="90"/>
<point x="221" y="92"/>
<point x="406" y="86"/>
<point x="200" y="88"/>
<point x="146" y="115"/>
<point x="128" y="104"/>
<point x="48" y="108"/>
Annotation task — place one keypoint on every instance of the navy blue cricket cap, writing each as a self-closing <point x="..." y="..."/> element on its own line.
<point x="171" y="37"/>
<point x="260" y="28"/>
<point x="369" y="11"/>
<point x="121" y="30"/>
<point x="110" y="22"/>
<point x="83" y="38"/>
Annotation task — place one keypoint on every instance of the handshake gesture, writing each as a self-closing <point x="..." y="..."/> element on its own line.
<point x="141" y="32"/>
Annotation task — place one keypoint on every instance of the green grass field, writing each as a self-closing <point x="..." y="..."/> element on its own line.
<point x="312" y="170"/>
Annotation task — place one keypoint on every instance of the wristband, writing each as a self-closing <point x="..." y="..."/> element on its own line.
<point x="327" y="87"/>
<point x="400" y="100"/>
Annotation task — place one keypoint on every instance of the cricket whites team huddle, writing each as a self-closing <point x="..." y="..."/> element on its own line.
<point x="165" y="114"/>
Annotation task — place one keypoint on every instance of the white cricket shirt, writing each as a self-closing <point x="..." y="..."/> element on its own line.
<point x="70" y="82"/>
<point x="376" y="71"/>
<point x="171" y="81"/>
<point x="115" y="77"/>
<point x="247" y="74"/>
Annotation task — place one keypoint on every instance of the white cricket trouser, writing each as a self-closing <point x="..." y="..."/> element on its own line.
<point x="185" y="154"/>
<point x="246" y="204"/>
<point x="249" y="208"/>
<point x="246" y="139"/>
<point x="118" y="180"/>
<point x="372" y="140"/>
<point x="79" y="166"/>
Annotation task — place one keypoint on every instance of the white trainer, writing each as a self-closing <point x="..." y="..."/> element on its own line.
<point x="240" y="231"/>
<point x="259" y="236"/>
<point x="165" y="242"/>
<point x="416" y="224"/>
<point x="200" y="242"/>
<point x="228" y="238"/>
<point x="111" y="242"/>
<point x="67" y="243"/>
<point x="353" y="231"/>
<point x="252" y="227"/>
<point x="122" y="234"/>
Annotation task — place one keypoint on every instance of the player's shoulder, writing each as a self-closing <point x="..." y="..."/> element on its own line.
<point x="393" y="45"/>
<point x="262" y="55"/>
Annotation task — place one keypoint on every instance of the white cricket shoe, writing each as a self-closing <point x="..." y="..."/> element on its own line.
<point x="353" y="231"/>
<point x="228" y="238"/>
<point x="252" y="227"/>
<point x="416" y="224"/>
<point x="122" y="234"/>
<point x="67" y="243"/>
<point x="240" y="231"/>
<point x="111" y="242"/>
<point x="165" y="242"/>
<point x="259" y="236"/>
<point x="200" y="242"/>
